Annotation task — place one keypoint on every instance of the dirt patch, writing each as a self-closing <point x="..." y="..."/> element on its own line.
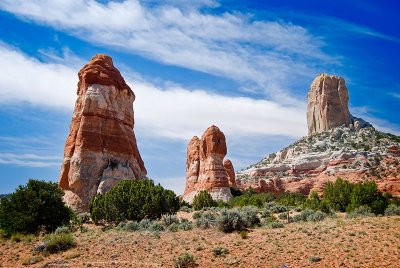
<point x="365" y="242"/>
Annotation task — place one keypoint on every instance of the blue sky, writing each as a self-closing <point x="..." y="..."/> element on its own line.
<point x="245" y="66"/>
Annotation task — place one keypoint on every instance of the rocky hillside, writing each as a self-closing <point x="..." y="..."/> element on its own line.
<point x="355" y="151"/>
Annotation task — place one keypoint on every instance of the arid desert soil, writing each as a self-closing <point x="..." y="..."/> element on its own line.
<point x="362" y="242"/>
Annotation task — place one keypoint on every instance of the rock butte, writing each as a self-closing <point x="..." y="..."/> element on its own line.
<point x="101" y="148"/>
<point x="204" y="166"/>
<point x="327" y="104"/>
<point x="338" y="145"/>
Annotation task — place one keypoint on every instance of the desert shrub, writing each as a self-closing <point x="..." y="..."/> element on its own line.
<point x="169" y="219"/>
<point x="290" y="199"/>
<point x="173" y="227"/>
<point x="249" y="216"/>
<point x="32" y="207"/>
<point x="156" y="226"/>
<point x="185" y="260"/>
<point x="221" y="204"/>
<point x="367" y="194"/>
<point x="392" y="210"/>
<point x="186" y="209"/>
<point x="277" y="224"/>
<point x="267" y="220"/>
<point x="59" y="242"/>
<point x="273" y="207"/>
<point x="197" y="214"/>
<point x="362" y="211"/>
<point x="219" y="251"/>
<point x="183" y="203"/>
<point x="121" y="225"/>
<point x="78" y="220"/>
<point x="282" y="216"/>
<point x="265" y="213"/>
<point x="313" y="201"/>
<point x="186" y="226"/>
<point x="145" y="224"/>
<point x="311" y="215"/>
<point x="62" y="230"/>
<point x="132" y="226"/>
<point x="316" y="216"/>
<point x="230" y="220"/>
<point x="133" y="200"/>
<point x="203" y="199"/>
<point x="296" y="218"/>
<point x="206" y="220"/>
<point x="338" y="194"/>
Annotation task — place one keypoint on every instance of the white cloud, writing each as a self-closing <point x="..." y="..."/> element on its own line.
<point x="394" y="94"/>
<point x="23" y="78"/>
<point x="172" y="112"/>
<point x="269" y="54"/>
<point x="29" y="160"/>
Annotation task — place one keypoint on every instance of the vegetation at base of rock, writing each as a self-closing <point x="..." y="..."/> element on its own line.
<point x="250" y="198"/>
<point x="133" y="200"/>
<point x="203" y="199"/>
<point x="185" y="260"/>
<point x="343" y="196"/>
<point x="367" y="194"/>
<point x="362" y="211"/>
<point x="59" y="242"/>
<point x="37" y="205"/>
<point x="338" y="194"/>
<point x="392" y="210"/>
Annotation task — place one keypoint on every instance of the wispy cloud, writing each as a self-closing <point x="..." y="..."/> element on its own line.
<point x="269" y="54"/>
<point x="394" y="94"/>
<point x="359" y="29"/>
<point x="29" y="160"/>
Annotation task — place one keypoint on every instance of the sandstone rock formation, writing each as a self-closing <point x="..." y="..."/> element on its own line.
<point x="338" y="145"/>
<point x="309" y="163"/>
<point x="101" y="148"/>
<point x="204" y="167"/>
<point x="231" y="172"/>
<point x="328" y="108"/>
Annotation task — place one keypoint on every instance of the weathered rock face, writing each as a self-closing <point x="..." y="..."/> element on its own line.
<point x="231" y="172"/>
<point x="338" y="145"/>
<point x="204" y="166"/>
<point x="309" y="163"/>
<point x="328" y="108"/>
<point x="101" y="148"/>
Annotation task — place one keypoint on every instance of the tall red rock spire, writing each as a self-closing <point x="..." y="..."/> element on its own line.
<point x="101" y="148"/>
<point x="204" y="167"/>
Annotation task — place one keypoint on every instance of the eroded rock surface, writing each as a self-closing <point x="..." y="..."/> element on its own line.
<point x="101" y="148"/>
<point x="328" y="106"/>
<point x="204" y="167"/>
<point x="231" y="172"/>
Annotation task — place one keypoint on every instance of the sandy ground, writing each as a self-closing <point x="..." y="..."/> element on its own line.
<point x="364" y="242"/>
